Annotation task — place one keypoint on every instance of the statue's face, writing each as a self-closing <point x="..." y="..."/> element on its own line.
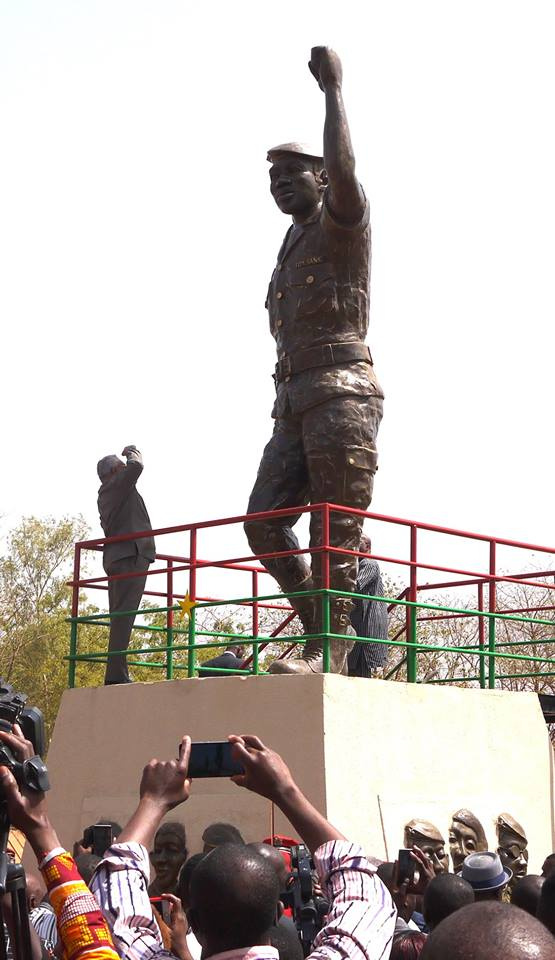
<point x="513" y="853"/>
<point x="435" y="852"/>
<point x="293" y="185"/>
<point x="462" y="841"/>
<point x="167" y="858"/>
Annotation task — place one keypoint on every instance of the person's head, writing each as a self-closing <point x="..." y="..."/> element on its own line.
<point x="169" y="854"/>
<point x="233" y="899"/>
<point x="526" y="893"/>
<point x="482" y="931"/>
<point x="445" y="894"/>
<point x="35" y="888"/>
<point x="285" y="939"/>
<point x="237" y="649"/>
<point x="548" y="866"/>
<point x="297" y="179"/>
<point x="486" y="875"/>
<point x="86" y="864"/>
<point x="546" y="905"/>
<point x="184" y="879"/>
<point x="512" y="845"/>
<point x="365" y="544"/>
<point x="108" y="466"/>
<point x="218" y="833"/>
<point x="408" y="946"/>
<point x="275" y="860"/>
<point x="466" y="835"/>
<point x="423" y="834"/>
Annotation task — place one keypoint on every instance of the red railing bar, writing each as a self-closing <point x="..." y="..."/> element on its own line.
<point x="309" y="508"/>
<point x="486" y="577"/>
<point x="470" y="583"/>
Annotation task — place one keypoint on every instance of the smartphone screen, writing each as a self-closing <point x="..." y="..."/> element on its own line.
<point x="406" y="867"/>
<point x="102" y="838"/>
<point x="212" y="758"/>
<point x="164" y="909"/>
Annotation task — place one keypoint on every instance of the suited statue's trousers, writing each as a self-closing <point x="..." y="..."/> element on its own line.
<point x="123" y="595"/>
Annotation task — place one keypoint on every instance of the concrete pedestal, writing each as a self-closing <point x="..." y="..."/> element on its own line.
<point x="370" y="754"/>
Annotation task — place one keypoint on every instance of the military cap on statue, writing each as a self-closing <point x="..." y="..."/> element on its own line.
<point x="302" y="149"/>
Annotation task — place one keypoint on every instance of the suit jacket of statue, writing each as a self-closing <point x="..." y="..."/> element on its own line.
<point x="226" y="660"/>
<point x="319" y="294"/>
<point x="122" y="510"/>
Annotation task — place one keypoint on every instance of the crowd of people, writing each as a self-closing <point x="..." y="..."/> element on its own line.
<point x="232" y="900"/>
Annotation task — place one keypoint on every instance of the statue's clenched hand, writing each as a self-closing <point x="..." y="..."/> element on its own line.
<point x="325" y="65"/>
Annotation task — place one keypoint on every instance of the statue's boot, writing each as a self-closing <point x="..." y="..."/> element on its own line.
<point x="312" y="657"/>
<point x="305" y="607"/>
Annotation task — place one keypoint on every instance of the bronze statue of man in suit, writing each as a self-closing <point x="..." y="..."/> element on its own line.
<point x="122" y="510"/>
<point x="329" y="403"/>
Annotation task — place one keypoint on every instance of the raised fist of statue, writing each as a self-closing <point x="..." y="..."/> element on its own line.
<point x="325" y="65"/>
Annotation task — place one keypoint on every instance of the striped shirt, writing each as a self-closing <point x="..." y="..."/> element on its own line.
<point x="81" y="927"/>
<point x="43" y="920"/>
<point x="369" y="618"/>
<point x="359" y="926"/>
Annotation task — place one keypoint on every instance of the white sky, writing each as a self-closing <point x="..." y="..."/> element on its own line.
<point x="137" y="236"/>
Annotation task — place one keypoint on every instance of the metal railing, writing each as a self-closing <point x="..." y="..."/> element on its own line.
<point x="192" y="636"/>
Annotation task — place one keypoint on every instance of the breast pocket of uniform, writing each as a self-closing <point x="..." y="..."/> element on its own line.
<point x="315" y="290"/>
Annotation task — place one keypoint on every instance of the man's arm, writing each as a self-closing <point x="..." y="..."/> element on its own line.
<point x="73" y="903"/>
<point x="361" y="918"/>
<point x="120" y="883"/>
<point x="268" y="775"/>
<point x="346" y="200"/>
<point x="164" y="785"/>
<point x="119" y="486"/>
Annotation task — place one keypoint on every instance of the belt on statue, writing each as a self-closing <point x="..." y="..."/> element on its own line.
<point x="322" y="356"/>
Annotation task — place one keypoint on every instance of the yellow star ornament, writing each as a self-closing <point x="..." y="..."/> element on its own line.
<point x="186" y="606"/>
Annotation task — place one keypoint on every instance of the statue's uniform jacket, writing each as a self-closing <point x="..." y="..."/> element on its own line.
<point x="326" y="417"/>
<point x="319" y="294"/>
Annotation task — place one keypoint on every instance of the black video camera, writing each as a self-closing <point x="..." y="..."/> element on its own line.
<point x="30" y="773"/>
<point x="308" y="910"/>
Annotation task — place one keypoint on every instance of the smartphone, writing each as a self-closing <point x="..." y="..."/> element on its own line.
<point x="164" y="909"/>
<point x="212" y="758"/>
<point x="407" y="868"/>
<point x="102" y="838"/>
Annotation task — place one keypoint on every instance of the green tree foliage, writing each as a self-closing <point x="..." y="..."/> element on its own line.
<point x="34" y="605"/>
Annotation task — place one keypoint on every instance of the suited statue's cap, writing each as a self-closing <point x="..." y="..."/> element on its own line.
<point x="301" y="149"/>
<point x="105" y="466"/>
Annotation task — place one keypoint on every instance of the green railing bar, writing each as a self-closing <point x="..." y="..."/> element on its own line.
<point x="192" y="645"/>
<point x="482" y="667"/>
<point x="73" y="654"/>
<point x="326" y="653"/>
<point x="315" y="593"/>
<point x="169" y="655"/>
<point x="338" y="636"/>
<point x="491" y="648"/>
<point x="412" y="666"/>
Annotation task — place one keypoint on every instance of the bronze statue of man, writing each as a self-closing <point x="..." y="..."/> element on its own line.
<point x="466" y="836"/>
<point x="512" y="847"/>
<point x="329" y="403"/>
<point x="426" y="836"/>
